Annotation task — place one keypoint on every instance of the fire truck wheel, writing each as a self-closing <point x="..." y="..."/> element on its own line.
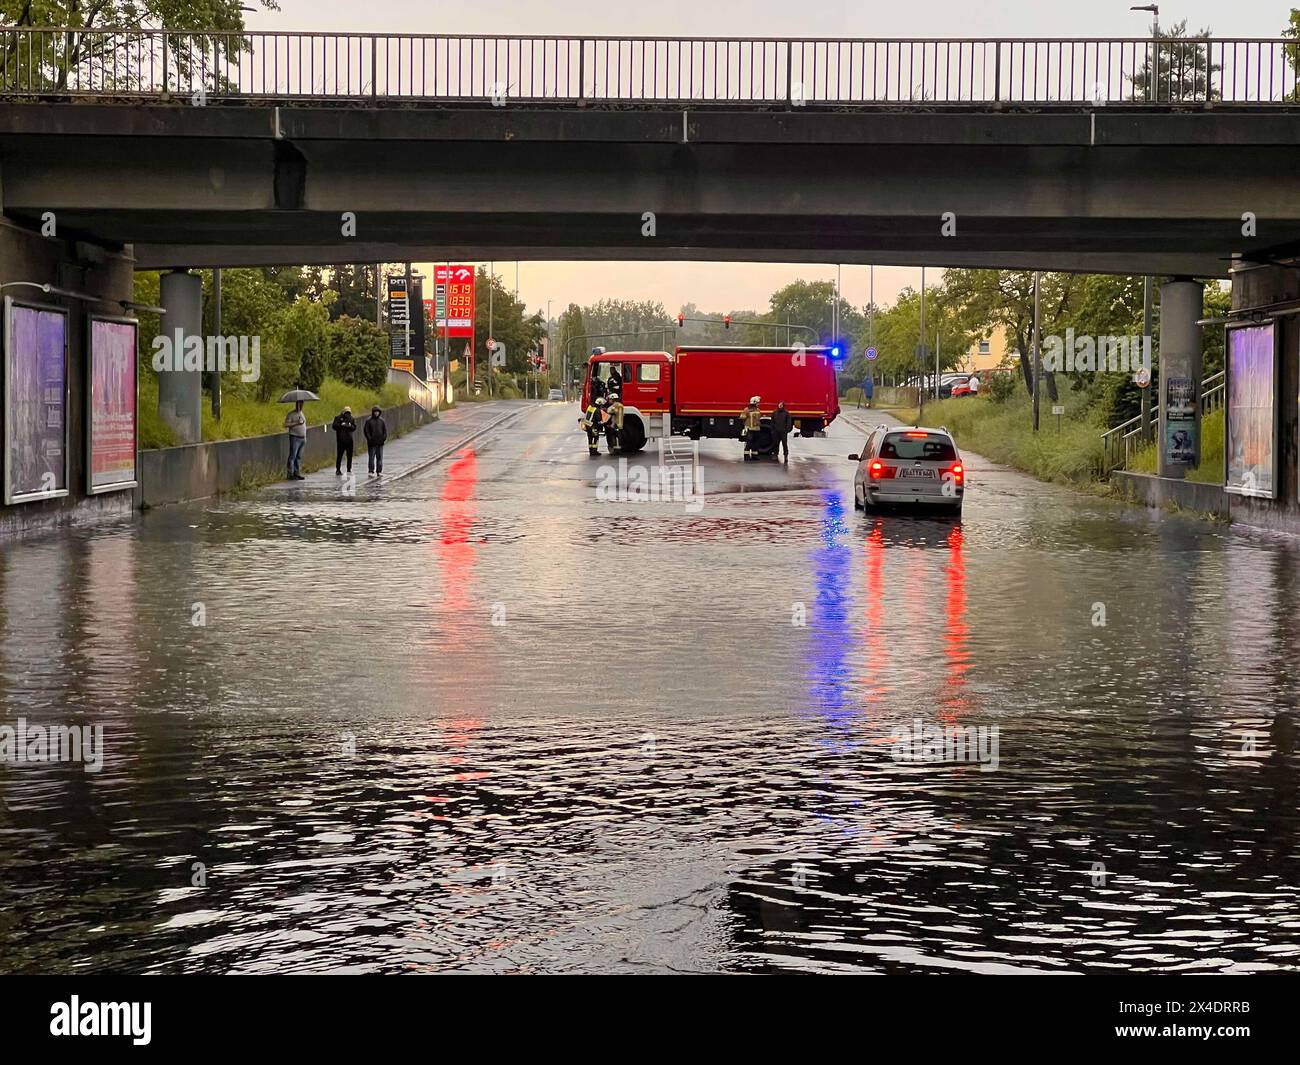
<point x="632" y="438"/>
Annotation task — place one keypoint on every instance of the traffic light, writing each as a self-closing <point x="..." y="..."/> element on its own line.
<point x="726" y="321"/>
<point x="681" y="321"/>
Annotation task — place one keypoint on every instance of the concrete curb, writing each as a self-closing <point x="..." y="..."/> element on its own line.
<point x="424" y="464"/>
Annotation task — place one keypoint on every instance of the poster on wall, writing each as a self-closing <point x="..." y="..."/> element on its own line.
<point x="35" y="401"/>
<point x="1180" y="421"/>
<point x="1251" y="412"/>
<point x="111" y="421"/>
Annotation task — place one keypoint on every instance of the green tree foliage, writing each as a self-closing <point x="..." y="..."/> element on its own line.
<point x="810" y="303"/>
<point x="358" y="352"/>
<point x="645" y="318"/>
<point x="1183" y="70"/>
<point x="571" y="338"/>
<point x="506" y="321"/>
<point x="54" y="61"/>
<point x="298" y="330"/>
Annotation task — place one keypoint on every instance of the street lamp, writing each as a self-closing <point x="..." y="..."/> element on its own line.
<point x="1153" y="68"/>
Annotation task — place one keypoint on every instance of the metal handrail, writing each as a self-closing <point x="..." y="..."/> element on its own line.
<point x="1123" y="437"/>
<point x="218" y="66"/>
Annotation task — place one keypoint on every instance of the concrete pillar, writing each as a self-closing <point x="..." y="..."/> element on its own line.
<point x="1178" y="446"/>
<point x="180" y="391"/>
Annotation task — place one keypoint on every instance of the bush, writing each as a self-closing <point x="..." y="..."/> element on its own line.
<point x="1000" y="386"/>
<point x="358" y="352"/>
<point x="312" y="369"/>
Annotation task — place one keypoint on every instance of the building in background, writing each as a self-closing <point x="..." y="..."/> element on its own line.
<point x="988" y="352"/>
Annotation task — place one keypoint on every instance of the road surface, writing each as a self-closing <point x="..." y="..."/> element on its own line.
<point x="482" y="718"/>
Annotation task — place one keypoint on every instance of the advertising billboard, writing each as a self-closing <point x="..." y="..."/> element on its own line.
<point x="111" y="422"/>
<point x="1250" y="415"/>
<point x="35" y="401"/>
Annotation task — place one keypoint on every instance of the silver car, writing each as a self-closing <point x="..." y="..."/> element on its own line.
<point x="909" y="467"/>
<point x="554" y="394"/>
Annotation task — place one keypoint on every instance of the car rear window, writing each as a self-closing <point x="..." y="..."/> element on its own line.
<point x="902" y="446"/>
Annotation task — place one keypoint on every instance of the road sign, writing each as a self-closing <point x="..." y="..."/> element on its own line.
<point x="1142" y="378"/>
<point x="871" y="354"/>
<point x="454" y="313"/>
<point x="403" y="364"/>
<point x="1058" y="410"/>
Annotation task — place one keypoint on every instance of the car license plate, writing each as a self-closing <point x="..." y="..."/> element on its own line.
<point x="916" y="472"/>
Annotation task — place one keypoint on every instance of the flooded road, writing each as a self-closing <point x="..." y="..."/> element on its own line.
<point x="480" y="719"/>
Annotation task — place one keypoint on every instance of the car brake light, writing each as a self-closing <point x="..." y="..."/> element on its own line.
<point x="957" y="473"/>
<point x="916" y="436"/>
<point x="879" y="471"/>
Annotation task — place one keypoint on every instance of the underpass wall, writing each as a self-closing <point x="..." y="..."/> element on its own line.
<point x="105" y="276"/>
<point x="200" y="471"/>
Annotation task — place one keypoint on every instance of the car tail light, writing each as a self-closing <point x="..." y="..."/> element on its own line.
<point x="958" y="474"/>
<point x="916" y="436"/>
<point x="879" y="471"/>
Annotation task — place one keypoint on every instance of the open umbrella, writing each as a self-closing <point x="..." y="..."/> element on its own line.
<point x="296" y="395"/>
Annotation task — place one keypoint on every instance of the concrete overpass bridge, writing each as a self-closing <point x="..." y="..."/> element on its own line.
<point x="144" y="149"/>
<point x="1056" y="154"/>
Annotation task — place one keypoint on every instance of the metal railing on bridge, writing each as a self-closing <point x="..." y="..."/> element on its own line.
<point x="71" y="63"/>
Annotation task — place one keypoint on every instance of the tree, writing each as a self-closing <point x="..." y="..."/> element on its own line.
<point x="988" y="299"/>
<point x="298" y="330"/>
<point x="810" y="303"/>
<point x="571" y="336"/>
<point x="203" y="36"/>
<point x="506" y="321"/>
<point x="358" y="352"/>
<point x="1183" y="71"/>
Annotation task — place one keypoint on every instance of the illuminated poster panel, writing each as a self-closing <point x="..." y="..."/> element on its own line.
<point x="35" y="402"/>
<point x="1251" y="411"/>
<point x="111" y="407"/>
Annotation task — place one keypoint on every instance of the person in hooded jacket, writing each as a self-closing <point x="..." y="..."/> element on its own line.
<point x="344" y="425"/>
<point x="782" y="424"/>
<point x="376" y="433"/>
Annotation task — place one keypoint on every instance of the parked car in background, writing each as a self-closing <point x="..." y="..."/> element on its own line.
<point x="954" y="384"/>
<point x="555" y="393"/>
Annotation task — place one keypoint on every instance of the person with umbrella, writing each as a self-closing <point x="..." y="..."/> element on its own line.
<point x="295" y="422"/>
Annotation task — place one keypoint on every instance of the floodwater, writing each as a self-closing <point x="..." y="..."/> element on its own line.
<point x="480" y="719"/>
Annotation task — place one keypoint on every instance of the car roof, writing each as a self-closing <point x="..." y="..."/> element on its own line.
<point x="941" y="431"/>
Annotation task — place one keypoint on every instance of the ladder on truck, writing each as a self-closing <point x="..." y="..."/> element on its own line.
<point x="679" y="458"/>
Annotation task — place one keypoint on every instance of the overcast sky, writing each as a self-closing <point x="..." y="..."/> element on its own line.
<point x="725" y="286"/>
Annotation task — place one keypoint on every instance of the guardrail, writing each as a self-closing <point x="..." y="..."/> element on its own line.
<point x="1119" y="443"/>
<point x="260" y="65"/>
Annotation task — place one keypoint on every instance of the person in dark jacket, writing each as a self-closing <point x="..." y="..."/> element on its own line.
<point x="376" y="432"/>
<point x="344" y="425"/>
<point x="782" y="424"/>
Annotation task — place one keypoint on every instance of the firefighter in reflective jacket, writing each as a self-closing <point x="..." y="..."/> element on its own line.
<point x="613" y="421"/>
<point x="752" y="418"/>
<point x="590" y="422"/>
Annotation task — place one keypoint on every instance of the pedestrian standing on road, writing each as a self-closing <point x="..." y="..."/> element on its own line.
<point x="869" y="389"/>
<point x="782" y="424"/>
<point x="296" y="424"/>
<point x="344" y="425"/>
<point x="613" y="421"/>
<point x="376" y="433"/>
<point x="752" y="423"/>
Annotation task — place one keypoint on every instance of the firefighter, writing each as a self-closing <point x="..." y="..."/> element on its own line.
<point x="613" y="421"/>
<point x="752" y="418"/>
<point x="615" y="380"/>
<point x="590" y="422"/>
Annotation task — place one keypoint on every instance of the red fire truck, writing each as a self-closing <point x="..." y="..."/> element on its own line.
<point x="701" y="391"/>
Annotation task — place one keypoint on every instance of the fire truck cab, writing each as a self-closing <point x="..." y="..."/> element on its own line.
<point x="646" y="391"/>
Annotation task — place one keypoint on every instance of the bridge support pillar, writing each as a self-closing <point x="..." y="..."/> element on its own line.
<point x="180" y="391"/>
<point x="1178" y="446"/>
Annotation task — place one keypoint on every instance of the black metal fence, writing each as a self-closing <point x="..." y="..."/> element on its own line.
<point x="212" y="67"/>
